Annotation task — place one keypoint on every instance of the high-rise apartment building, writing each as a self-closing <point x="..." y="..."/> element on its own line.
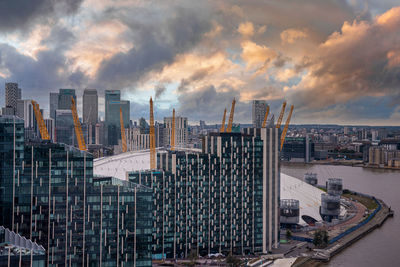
<point x="25" y="111"/>
<point x="90" y="107"/>
<point x="181" y="131"/>
<point x="259" y="108"/>
<point x="223" y="200"/>
<point x="64" y="98"/>
<point x="53" y="104"/>
<point x="13" y="94"/>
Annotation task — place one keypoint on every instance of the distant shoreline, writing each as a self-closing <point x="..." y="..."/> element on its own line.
<point x="339" y="163"/>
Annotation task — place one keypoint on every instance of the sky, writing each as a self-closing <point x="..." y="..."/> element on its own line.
<point x="336" y="61"/>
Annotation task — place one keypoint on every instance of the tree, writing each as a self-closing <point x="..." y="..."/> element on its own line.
<point x="232" y="261"/>
<point x="321" y="238"/>
<point x="193" y="257"/>
<point x="288" y="234"/>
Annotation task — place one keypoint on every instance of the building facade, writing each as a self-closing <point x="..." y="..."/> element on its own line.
<point x="53" y="104"/>
<point x="50" y="196"/>
<point x="181" y="131"/>
<point x="90" y="107"/>
<point x="298" y="149"/>
<point x="64" y="98"/>
<point x="64" y="130"/>
<point x="223" y="200"/>
<point x="13" y="94"/>
<point x="259" y="108"/>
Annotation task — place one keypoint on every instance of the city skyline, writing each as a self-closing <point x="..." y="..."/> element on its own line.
<point x="327" y="58"/>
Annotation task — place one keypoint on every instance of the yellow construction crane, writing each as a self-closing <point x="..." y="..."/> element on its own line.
<point x="152" y="138"/>
<point x="278" y="123"/>
<point x="173" y="131"/>
<point x="230" y="122"/>
<point x="283" y="135"/>
<point x="222" y="129"/>
<point x="123" y="137"/>
<point x="78" y="128"/>
<point x="40" y="122"/>
<point x="265" y="118"/>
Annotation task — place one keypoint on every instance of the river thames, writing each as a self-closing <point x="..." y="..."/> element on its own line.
<point x="382" y="246"/>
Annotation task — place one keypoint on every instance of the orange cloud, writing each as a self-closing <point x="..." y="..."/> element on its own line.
<point x="291" y="35"/>
<point x="246" y="29"/>
<point x="98" y="42"/>
<point x="256" y="56"/>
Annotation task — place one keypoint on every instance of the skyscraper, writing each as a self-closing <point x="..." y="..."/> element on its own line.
<point x="259" y="108"/>
<point x="64" y="98"/>
<point x="11" y="157"/>
<point x="13" y="94"/>
<point x="65" y="131"/>
<point x="90" y="106"/>
<point x="53" y="104"/>
<point x="113" y="103"/>
<point x="110" y="95"/>
<point x="181" y="131"/>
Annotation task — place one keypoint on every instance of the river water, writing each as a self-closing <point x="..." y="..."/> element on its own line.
<point x="382" y="246"/>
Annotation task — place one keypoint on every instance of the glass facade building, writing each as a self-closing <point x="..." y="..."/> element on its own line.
<point x="11" y="158"/>
<point x="50" y="196"/>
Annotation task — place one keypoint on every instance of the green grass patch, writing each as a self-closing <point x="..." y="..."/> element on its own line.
<point x="366" y="201"/>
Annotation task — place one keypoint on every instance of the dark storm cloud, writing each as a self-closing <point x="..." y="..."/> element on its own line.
<point x="154" y="47"/>
<point x="198" y="75"/>
<point x="48" y="72"/>
<point x="159" y="90"/>
<point x="208" y="104"/>
<point x="22" y="14"/>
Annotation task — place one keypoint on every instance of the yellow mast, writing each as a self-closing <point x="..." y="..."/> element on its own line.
<point x="39" y="120"/>
<point x="278" y="123"/>
<point x="283" y="135"/>
<point x="265" y="118"/>
<point x="123" y="137"/>
<point x="78" y="128"/>
<point x="230" y="122"/>
<point x="222" y="129"/>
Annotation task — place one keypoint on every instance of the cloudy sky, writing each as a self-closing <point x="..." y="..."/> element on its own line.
<point x="336" y="61"/>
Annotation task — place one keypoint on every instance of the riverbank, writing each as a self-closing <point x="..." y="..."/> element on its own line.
<point x="350" y="163"/>
<point x="325" y="255"/>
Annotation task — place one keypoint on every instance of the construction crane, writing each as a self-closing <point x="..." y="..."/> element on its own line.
<point x="152" y="138"/>
<point x="230" y="122"/>
<point x="283" y="135"/>
<point x="222" y="129"/>
<point x="40" y="122"/>
<point x="123" y="137"/>
<point x="265" y="118"/>
<point x="78" y="128"/>
<point x="278" y="123"/>
<point x="173" y="131"/>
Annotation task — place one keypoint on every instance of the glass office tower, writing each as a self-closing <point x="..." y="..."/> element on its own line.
<point x="11" y="157"/>
<point x="49" y="195"/>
